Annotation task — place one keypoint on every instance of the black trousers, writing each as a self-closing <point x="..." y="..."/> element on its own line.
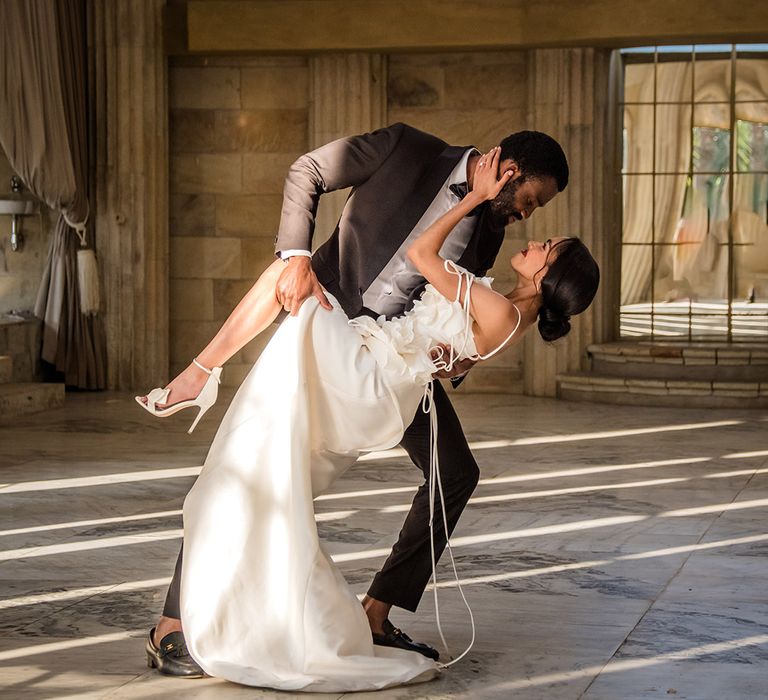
<point x="407" y="570"/>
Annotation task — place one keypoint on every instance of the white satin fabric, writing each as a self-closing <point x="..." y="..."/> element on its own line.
<point x="262" y="603"/>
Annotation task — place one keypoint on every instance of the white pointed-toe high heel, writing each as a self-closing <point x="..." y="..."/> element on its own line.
<point x="205" y="399"/>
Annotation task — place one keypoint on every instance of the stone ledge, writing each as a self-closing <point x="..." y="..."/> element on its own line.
<point x="667" y="392"/>
<point x="647" y="383"/>
<point x="668" y="401"/>
<point x="677" y="353"/>
<point x="648" y="391"/>
<point x="666" y="351"/>
<point x="18" y="399"/>
<point x="738" y="386"/>
<point x="692" y="385"/>
<point x="746" y="362"/>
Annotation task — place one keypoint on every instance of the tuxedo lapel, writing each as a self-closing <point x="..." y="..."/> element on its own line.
<point x="401" y="221"/>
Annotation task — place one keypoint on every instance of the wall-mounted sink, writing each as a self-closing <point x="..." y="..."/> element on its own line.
<point x="17" y="207"/>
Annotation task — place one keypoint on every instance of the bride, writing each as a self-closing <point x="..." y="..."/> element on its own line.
<point x="261" y="601"/>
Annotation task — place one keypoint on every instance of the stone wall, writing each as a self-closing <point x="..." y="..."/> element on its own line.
<point x="236" y="125"/>
<point x="21" y="272"/>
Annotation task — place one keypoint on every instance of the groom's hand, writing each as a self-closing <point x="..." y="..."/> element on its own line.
<point x="297" y="283"/>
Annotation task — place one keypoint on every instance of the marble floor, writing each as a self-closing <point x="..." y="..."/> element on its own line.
<point x="609" y="552"/>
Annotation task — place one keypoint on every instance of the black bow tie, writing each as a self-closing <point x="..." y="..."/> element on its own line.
<point x="461" y="190"/>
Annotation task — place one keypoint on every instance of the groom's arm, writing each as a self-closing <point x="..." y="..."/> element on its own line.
<point x="337" y="165"/>
<point x="340" y="164"/>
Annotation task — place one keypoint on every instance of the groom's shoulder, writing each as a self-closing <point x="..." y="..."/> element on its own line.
<point x="411" y="133"/>
<point x="403" y="135"/>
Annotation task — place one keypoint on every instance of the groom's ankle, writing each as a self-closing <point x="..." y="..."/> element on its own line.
<point x="165" y="625"/>
<point x="377" y="612"/>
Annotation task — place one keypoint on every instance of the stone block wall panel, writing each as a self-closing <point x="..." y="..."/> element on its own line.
<point x="193" y="215"/>
<point x="236" y="125"/>
<point x="210" y="173"/>
<point x="205" y="87"/>
<point x="248" y="215"/>
<point x="190" y="337"/>
<point x="264" y="173"/>
<point x="257" y="254"/>
<point x="261" y="130"/>
<point x="205" y="258"/>
<point x="275" y="87"/>
<point x="192" y="299"/>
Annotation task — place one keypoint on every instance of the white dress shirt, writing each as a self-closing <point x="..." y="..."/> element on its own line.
<point x="390" y="291"/>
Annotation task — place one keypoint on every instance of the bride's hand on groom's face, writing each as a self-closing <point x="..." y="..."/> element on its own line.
<point x="486" y="182"/>
<point x="297" y="283"/>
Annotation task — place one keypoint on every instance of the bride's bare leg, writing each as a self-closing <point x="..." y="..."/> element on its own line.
<point x="256" y="310"/>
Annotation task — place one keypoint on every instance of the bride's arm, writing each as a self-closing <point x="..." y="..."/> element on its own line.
<point x="493" y="313"/>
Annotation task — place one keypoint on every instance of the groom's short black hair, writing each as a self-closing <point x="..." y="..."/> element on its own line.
<point x="537" y="155"/>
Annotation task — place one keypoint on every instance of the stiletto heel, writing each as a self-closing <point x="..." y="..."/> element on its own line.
<point x="200" y="414"/>
<point x="205" y="399"/>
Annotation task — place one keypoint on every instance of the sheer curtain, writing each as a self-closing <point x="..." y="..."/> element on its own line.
<point x="43" y="133"/>
<point x="672" y="148"/>
<point x="700" y="262"/>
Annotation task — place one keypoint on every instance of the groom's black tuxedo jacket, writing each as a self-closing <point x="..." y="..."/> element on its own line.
<point x="395" y="174"/>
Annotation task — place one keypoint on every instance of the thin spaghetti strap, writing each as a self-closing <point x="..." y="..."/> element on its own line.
<point x="453" y="356"/>
<point x="462" y="274"/>
<point x="454" y="269"/>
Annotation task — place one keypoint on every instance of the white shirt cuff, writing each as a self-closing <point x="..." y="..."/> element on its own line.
<point x="285" y="254"/>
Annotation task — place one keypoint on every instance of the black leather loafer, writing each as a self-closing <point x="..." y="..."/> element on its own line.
<point x="172" y="658"/>
<point x="395" y="637"/>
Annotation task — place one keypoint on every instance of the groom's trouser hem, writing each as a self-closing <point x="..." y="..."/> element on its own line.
<point x="172" y="607"/>
<point x="406" y="572"/>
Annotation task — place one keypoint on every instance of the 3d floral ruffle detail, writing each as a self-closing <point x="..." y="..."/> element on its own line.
<point x="402" y="345"/>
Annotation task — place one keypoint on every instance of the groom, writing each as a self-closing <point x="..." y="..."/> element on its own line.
<point x="402" y="180"/>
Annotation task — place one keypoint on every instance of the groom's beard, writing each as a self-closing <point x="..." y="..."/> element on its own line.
<point x="503" y="204"/>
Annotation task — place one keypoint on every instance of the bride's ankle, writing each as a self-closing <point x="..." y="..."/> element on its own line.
<point x="194" y="374"/>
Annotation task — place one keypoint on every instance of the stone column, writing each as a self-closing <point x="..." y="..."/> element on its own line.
<point x="348" y="95"/>
<point x="128" y="99"/>
<point x="568" y="99"/>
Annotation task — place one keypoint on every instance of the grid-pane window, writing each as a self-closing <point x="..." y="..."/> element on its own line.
<point x="695" y="193"/>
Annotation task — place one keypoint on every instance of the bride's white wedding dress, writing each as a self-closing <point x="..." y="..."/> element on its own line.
<point x="261" y="601"/>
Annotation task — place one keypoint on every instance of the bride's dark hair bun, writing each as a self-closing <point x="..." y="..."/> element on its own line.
<point x="553" y="324"/>
<point x="567" y="289"/>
